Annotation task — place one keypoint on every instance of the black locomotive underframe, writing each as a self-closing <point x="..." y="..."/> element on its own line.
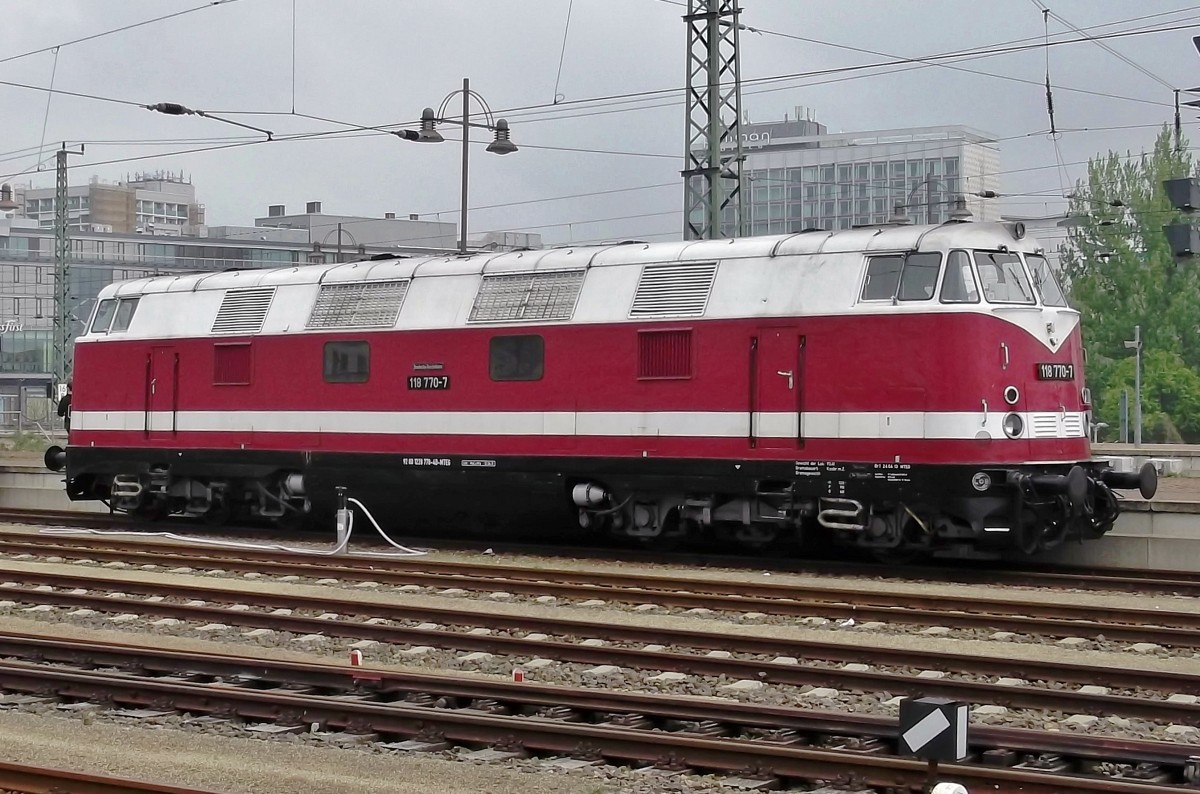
<point x="436" y="493"/>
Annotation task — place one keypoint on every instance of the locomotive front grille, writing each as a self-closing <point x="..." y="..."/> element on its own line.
<point x="1043" y="425"/>
<point x="1056" y="425"/>
<point x="1073" y="426"/>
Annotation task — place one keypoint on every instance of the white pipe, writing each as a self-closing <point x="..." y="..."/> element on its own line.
<point x="340" y="547"/>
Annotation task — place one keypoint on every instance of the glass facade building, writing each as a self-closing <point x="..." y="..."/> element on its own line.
<point x="796" y="176"/>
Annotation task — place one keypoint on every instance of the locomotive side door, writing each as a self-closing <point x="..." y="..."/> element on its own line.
<point x="162" y="392"/>
<point x="776" y="388"/>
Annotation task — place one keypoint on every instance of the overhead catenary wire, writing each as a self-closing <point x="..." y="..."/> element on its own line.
<point x="121" y="29"/>
<point x="49" y="97"/>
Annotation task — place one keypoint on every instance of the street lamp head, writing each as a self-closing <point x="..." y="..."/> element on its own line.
<point x="960" y="211"/>
<point x="502" y="144"/>
<point x="429" y="133"/>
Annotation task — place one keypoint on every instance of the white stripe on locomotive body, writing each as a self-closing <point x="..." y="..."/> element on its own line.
<point x="814" y="274"/>
<point x="947" y="425"/>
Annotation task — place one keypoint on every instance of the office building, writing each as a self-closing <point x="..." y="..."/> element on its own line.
<point x="797" y="175"/>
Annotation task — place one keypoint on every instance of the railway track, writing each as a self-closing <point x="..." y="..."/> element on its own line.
<point x="758" y="658"/>
<point x="837" y="601"/>
<point x="1128" y="580"/>
<point x="418" y="711"/>
<point x="23" y="779"/>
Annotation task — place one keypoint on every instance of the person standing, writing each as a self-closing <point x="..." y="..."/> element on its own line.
<point x="64" y="408"/>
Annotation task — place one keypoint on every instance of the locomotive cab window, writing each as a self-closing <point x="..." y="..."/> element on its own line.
<point x="104" y="315"/>
<point x="517" y="357"/>
<point x="347" y="362"/>
<point x="911" y="277"/>
<point x="959" y="284"/>
<point x="114" y="315"/>
<point x="1043" y="279"/>
<point x="1003" y="278"/>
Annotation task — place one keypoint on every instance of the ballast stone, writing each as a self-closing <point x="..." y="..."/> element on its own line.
<point x="1082" y="720"/>
<point x="669" y="676"/>
<point x="744" y="685"/>
<point x="820" y="693"/>
<point x="477" y="656"/>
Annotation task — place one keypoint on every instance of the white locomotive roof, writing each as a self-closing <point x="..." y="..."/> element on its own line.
<point x="865" y="240"/>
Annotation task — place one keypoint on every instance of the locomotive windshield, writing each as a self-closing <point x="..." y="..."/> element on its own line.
<point x="959" y="284"/>
<point x="911" y="277"/>
<point x="1003" y="278"/>
<point x="104" y="315"/>
<point x="1043" y="278"/>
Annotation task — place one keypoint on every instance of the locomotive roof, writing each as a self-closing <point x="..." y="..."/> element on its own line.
<point x="864" y="240"/>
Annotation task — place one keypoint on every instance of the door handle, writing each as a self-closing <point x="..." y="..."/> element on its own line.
<point x="153" y="385"/>
<point x="787" y="373"/>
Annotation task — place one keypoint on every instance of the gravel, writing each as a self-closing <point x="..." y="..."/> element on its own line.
<point x="233" y="639"/>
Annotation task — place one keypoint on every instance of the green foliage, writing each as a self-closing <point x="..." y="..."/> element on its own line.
<point x="1120" y="273"/>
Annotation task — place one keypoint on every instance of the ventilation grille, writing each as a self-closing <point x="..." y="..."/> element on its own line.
<point x="243" y="311"/>
<point x="665" y="354"/>
<point x="231" y="364"/>
<point x="365" y="304"/>
<point x="673" y="290"/>
<point x="527" y="296"/>
<point x="1073" y="426"/>
<point x="1045" y="425"/>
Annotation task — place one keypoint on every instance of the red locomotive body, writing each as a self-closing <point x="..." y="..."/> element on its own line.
<point x="897" y="388"/>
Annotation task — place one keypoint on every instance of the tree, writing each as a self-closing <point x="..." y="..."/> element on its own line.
<point x="1119" y="273"/>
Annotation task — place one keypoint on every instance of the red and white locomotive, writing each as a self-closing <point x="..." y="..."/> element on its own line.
<point x="898" y="389"/>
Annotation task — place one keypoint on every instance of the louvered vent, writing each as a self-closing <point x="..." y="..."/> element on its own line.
<point x="665" y="354"/>
<point x="672" y="290"/>
<point x="527" y="296"/>
<point x="364" y="304"/>
<point x="243" y="310"/>
<point x="1044" y="425"/>
<point x="1073" y="426"/>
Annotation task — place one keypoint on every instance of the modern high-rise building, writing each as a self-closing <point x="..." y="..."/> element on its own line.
<point x="153" y="203"/>
<point x="797" y="175"/>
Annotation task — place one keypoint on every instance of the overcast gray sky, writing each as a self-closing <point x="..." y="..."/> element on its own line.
<point x="378" y="62"/>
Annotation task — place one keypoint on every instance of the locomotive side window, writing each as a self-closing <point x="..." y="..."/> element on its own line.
<point x="517" y="357"/>
<point x="104" y="315"/>
<point x="1003" y="278"/>
<point x="1043" y="279"/>
<point x="347" y="362"/>
<point x="959" y="284"/>
<point x="907" y="278"/>
<point x="919" y="277"/>
<point x="883" y="276"/>
<point x="125" y="309"/>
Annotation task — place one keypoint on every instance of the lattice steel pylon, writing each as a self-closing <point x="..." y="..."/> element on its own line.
<point x="63" y="348"/>
<point x="713" y="177"/>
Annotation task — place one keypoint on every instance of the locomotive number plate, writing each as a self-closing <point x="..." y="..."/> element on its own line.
<point x="1056" y="372"/>
<point x="428" y="382"/>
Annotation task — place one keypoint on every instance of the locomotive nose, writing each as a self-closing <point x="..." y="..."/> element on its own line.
<point x="55" y="458"/>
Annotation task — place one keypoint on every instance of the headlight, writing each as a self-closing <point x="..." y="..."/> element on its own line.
<point x="1011" y="395"/>
<point x="1014" y="425"/>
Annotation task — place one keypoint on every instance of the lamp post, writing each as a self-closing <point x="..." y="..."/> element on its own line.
<point x="499" y="145"/>
<point x="1136" y="346"/>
